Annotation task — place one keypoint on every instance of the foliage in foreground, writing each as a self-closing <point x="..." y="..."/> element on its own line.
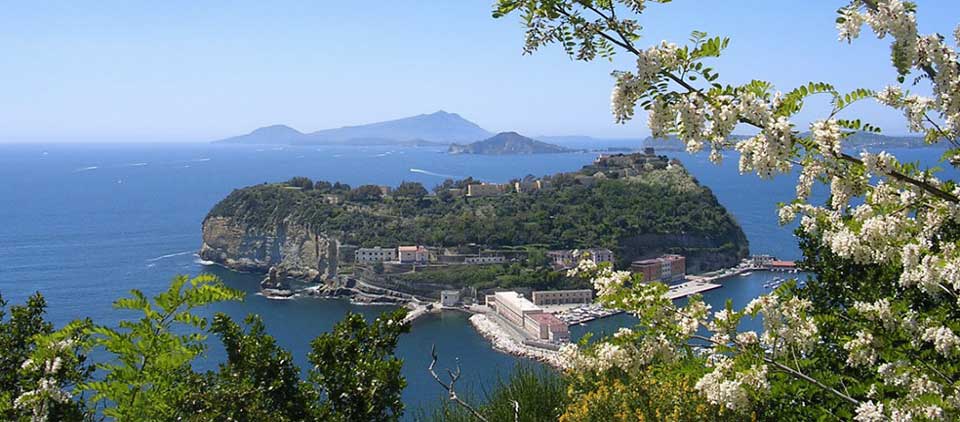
<point x="874" y="337"/>
<point x="536" y="394"/>
<point x="148" y="373"/>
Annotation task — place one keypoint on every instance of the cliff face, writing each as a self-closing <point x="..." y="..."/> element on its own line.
<point x="294" y="249"/>
<point x="702" y="253"/>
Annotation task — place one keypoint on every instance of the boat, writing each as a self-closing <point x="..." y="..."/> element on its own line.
<point x="746" y="274"/>
<point x="277" y="293"/>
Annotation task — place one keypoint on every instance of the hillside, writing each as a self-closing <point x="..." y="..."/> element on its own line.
<point x="637" y="205"/>
<point x="425" y="129"/>
<point x="506" y="143"/>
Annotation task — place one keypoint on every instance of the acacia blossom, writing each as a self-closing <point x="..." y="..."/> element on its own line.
<point x="861" y="350"/>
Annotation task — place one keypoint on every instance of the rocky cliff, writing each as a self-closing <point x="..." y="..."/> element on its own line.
<point x="294" y="249"/>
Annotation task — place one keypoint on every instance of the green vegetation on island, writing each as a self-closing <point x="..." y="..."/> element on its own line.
<point x="637" y="205"/>
<point x="506" y="143"/>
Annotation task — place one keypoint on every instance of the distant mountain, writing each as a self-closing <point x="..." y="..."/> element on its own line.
<point x="855" y="142"/>
<point x="426" y="129"/>
<point x="276" y="134"/>
<point x="506" y="143"/>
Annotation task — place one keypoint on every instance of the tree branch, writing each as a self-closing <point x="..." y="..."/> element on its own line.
<point x="624" y="43"/>
<point x="451" y="392"/>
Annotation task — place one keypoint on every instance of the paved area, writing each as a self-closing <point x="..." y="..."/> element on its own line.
<point x="689" y="288"/>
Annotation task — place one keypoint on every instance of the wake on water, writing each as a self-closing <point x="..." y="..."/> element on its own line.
<point x="154" y="259"/>
<point x="430" y="173"/>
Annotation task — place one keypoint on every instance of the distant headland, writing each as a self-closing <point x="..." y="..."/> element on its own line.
<point x="506" y="143"/>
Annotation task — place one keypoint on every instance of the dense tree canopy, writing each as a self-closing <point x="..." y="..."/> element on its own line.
<point x="568" y="214"/>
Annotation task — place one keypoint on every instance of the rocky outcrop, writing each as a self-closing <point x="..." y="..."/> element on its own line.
<point x="702" y="253"/>
<point x="294" y="249"/>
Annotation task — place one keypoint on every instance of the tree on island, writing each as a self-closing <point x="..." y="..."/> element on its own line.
<point x="412" y="190"/>
<point x="301" y="182"/>
<point x="365" y="193"/>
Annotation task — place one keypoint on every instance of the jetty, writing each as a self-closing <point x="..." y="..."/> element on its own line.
<point x="688" y="288"/>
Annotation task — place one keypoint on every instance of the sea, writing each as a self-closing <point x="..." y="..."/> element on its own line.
<point x="84" y="224"/>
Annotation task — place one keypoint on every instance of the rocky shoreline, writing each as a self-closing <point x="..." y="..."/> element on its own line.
<point x="505" y="343"/>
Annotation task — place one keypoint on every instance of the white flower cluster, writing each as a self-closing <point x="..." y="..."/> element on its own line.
<point x="690" y="318"/>
<point x="826" y="134"/>
<point x="48" y="387"/>
<point x="869" y="411"/>
<point x="623" y="99"/>
<point x="878" y="311"/>
<point x="850" y="23"/>
<point x="726" y="387"/>
<point x="861" y="350"/>
<point x="661" y="118"/>
<point x="585" y="266"/>
<point x="943" y="339"/>
<point x="653" y="60"/>
<point x="880" y="164"/>
<point x="891" y="96"/>
<point x="928" y="53"/>
<point x="629" y="87"/>
<point x="609" y="356"/>
<point x="786" y="325"/>
<point x="607" y="281"/>
<point x="808" y="175"/>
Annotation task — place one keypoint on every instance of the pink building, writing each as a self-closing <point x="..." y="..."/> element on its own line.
<point x="413" y="254"/>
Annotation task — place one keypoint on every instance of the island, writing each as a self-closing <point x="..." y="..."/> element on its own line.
<point x="506" y="143"/>
<point x="383" y="244"/>
<point x="438" y="128"/>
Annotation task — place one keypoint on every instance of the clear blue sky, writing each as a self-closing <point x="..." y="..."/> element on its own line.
<point x="199" y="70"/>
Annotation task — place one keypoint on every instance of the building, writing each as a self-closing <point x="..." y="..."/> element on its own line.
<point x="377" y="254"/>
<point x="449" y="297"/>
<point x="665" y="269"/>
<point x="483" y="260"/>
<point x="571" y="257"/>
<point x="761" y="261"/>
<point x="546" y="326"/>
<point x="530" y="186"/>
<point x="527" y="317"/>
<point x="562" y="297"/>
<point x="413" y="254"/>
<point x="484" y="189"/>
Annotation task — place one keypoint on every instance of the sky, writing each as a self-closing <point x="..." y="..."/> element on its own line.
<point x="177" y="71"/>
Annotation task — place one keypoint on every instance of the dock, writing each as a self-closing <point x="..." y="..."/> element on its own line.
<point x="689" y="288"/>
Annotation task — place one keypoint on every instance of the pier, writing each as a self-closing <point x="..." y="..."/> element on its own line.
<point x="690" y="288"/>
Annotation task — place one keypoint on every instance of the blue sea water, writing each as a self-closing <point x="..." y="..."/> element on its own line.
<point x="83" y="224"/>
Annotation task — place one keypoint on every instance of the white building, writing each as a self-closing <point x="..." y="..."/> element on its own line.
<point x="527" y="317"/>
<point x="481" y="260"/>
<point x="373" y="255"/>
<point x="484" y="189"/>
<point x="562" y="297"/>
<point x="568" y="258"/>
<point x="449" y="297"/>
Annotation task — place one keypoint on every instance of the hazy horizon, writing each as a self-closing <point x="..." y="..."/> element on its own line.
<point x="185" y="72"/>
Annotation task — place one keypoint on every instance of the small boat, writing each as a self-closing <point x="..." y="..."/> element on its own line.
<point x="745" y="274"/>
<point x="277" y="294"/>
